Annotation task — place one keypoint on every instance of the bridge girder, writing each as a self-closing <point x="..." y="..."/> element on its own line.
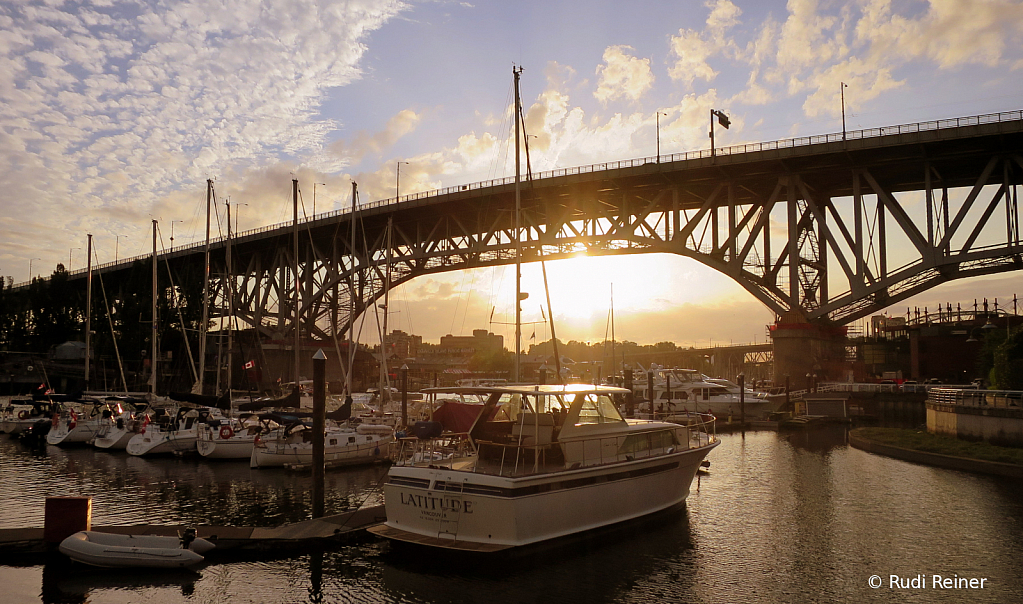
<point x="816" y="228"/>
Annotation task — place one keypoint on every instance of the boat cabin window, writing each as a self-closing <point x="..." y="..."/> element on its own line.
<point x="596" y="409"/>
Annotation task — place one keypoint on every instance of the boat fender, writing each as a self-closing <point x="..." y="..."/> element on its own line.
<point x="74" y="421"/>
<point x="24" y="414"/>
<point x="120" y="423"/>
<point x="376" y="452"/>
<point x="226" y="432"/>
<point x="56" y="419"/>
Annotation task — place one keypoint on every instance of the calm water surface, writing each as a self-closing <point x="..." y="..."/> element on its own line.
<point x="780" y="518"/>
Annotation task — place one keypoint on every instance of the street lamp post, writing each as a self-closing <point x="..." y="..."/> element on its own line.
<point x="172" y="234"/>
<point x="842" y="89"/>
<point x="723" y="120"/>
<point x="397" y="175"/>
<point x="31" y="260"/>
<point x="322" y="184"/>
<point x="70" y="252"/>
<point x="117" y="240"/>
<point x="658" y="119"/>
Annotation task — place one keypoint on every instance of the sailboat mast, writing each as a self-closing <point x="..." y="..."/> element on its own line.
<point x="152" y="359"/>
<point x="88" y="312"/>
<point x="351" y="297"/>
<point x="298" y="299"/>
<point x="614" y="359"/>
<point x="230" y="302"/>
<point x="517" y="72"/>
<point x="385" y="378"/>
<point x="205" y="292"/>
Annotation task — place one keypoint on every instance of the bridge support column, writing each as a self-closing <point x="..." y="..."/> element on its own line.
<point x="803" y="348"/>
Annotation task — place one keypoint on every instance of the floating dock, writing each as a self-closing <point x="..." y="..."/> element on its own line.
<point x="18" y="542"/>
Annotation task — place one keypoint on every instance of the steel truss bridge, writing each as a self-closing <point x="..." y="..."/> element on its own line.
<point x="836" y="226"/>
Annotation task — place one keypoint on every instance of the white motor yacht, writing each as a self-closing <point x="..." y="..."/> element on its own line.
<point x="540" y="462"/>
<point x="290" y="443"/>
<point x="686" y="391"/>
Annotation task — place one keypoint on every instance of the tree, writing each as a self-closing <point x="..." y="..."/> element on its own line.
<point x="1007" y="370"/>
<point x="492" y="361"/>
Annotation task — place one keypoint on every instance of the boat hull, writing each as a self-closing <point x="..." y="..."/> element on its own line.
<point x="162" y="443"/>
<point x="367" y="449"/>
<point x="493" y="511"/>
<point x="81" y="434"/>
<point x="226" y="448"/>
<point x="113" y="440"/>
<point x="108" y="550"/>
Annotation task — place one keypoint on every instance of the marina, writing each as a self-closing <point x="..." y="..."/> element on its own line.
<point x="779" y="517"/>
<point x="241" y="417"/>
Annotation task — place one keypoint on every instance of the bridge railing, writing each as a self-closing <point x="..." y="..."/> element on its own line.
<point x="977" y="398"/>
<point x="788" y="143"/>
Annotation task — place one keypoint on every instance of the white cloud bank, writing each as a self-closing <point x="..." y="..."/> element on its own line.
<point x="118" y="100"/>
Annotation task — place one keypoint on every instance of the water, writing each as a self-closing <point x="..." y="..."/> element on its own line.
<point x="780" y="518"/>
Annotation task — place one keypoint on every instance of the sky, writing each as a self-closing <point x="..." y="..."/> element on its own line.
<point x="115" y="112"/>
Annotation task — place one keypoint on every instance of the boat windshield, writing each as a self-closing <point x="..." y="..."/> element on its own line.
<point x="510" y="406"/>
<point x="593" y="408"/>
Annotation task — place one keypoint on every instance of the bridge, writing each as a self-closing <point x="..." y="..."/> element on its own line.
<point x="826" y="229"/>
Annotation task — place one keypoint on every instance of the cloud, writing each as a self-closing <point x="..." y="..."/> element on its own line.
<point x="950" y="33"/>
<point x="693" y="49"/>
<point x="622" y="76"/>
<point x="104" y="104"/>
<point x="868" y="80"/>
<point x="399" y="125"/>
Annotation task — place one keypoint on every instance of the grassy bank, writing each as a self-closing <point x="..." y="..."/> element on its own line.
<point x="921" y="440"/>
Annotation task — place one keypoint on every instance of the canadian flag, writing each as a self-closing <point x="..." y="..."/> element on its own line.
<point x="250" y="365"/>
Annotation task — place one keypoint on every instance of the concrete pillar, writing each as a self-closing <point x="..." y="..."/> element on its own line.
<point x="804" y="347"/>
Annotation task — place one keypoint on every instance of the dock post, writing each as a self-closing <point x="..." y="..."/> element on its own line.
<point x="65" y="516"/>
<point x="629" y="396"/>
<point x="742" y="403"/>
<point x="319" y="419"/>
<point x="650" y="391"/>
<point x="404" y="397"/>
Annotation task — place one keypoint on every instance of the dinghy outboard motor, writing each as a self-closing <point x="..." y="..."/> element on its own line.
<point x="187" y="537"/>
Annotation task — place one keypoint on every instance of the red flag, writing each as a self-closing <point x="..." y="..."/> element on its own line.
<point x="250" y="365"/>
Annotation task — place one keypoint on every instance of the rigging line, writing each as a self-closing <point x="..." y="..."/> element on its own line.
<point x="365" y="248"/>
<point x="334" y="326"/>
<point x="110" y="320"/>
<point x="461" y="288"/>
<point x="500" y="157"/>
<point x="177" y="307"/>
<point x="408" y="309"/>
<point x="543" y="263"/>
<point x="468" y="298"/>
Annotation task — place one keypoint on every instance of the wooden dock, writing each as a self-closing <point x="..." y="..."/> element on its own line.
<point x="15" y="543"/>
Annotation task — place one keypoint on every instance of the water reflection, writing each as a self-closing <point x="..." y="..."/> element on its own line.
<point x="794" y="517"/>
<point x="169" y="490"/>
<point x="638" y="562"/>
<point x="66" y="583"/>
